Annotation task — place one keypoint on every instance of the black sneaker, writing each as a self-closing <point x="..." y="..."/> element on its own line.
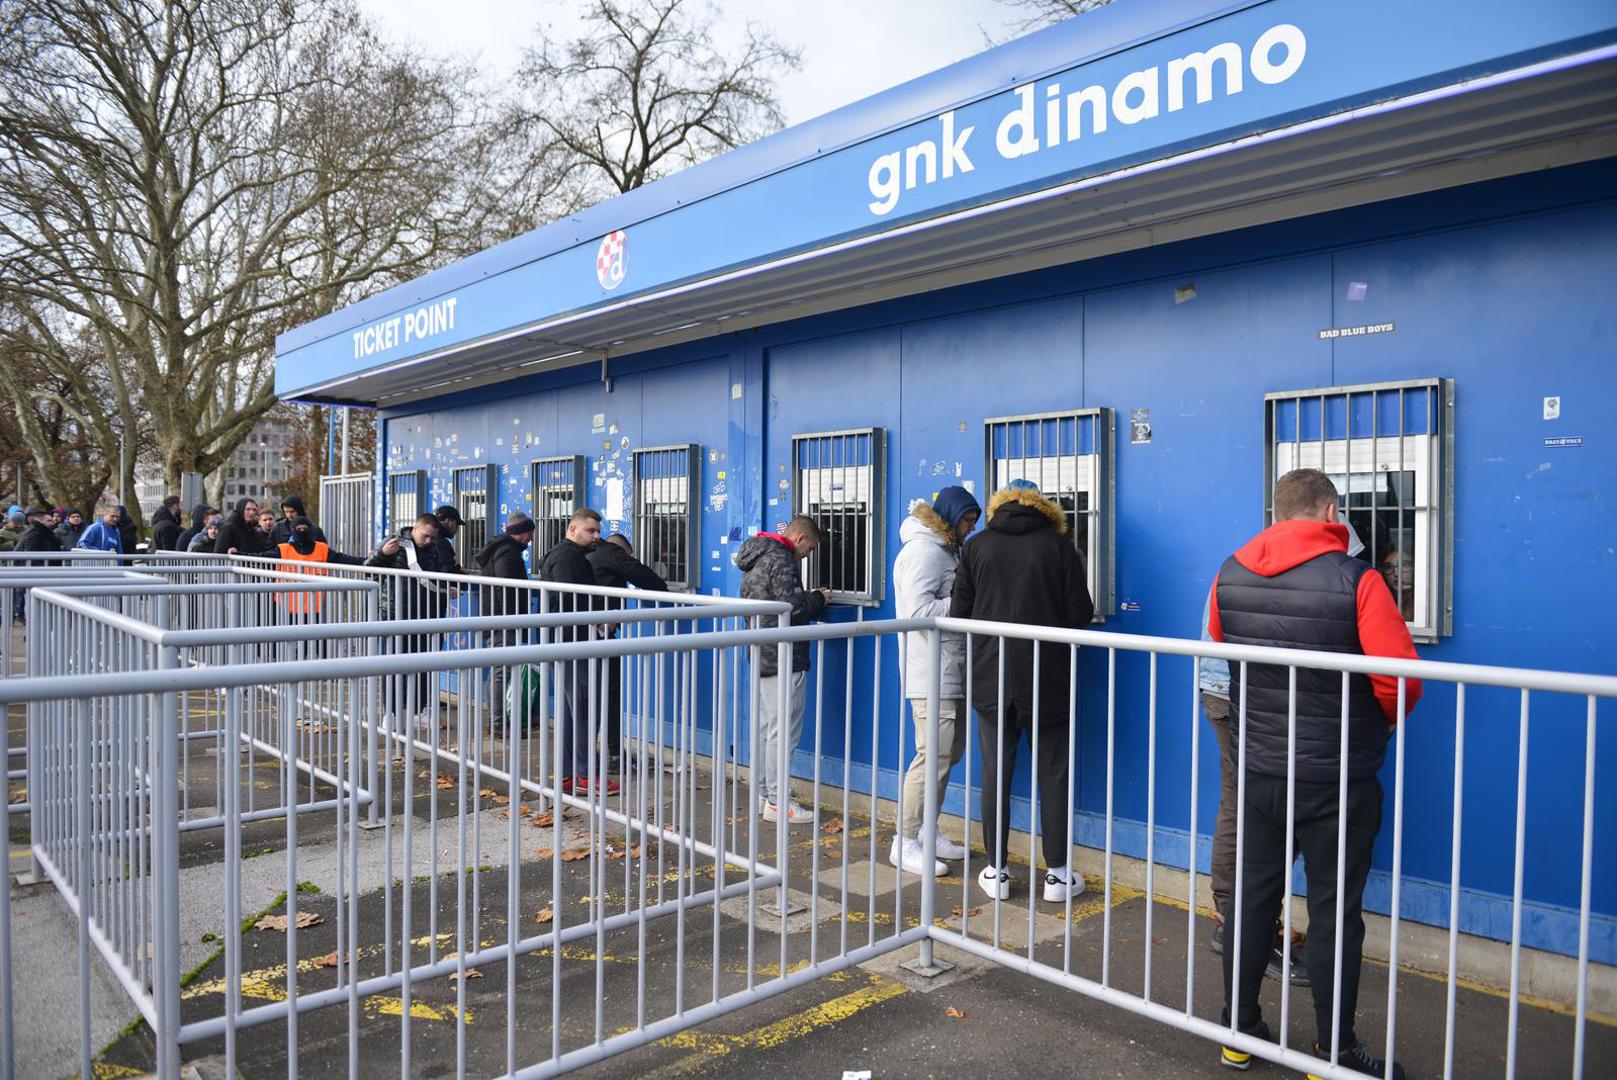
<point x="1277" y="960"/>
<point x="1359" y="1058"/>
<point x="1241" y="1060"/>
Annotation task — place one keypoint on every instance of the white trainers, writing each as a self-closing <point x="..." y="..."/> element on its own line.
<point x="908" y="855"/>
<point x="995" y="882"/>
<point x="1062" y="883"/>
<point x="948" y="850"/>
<point x="795" y="815"/>
<point x="426" y="723"/>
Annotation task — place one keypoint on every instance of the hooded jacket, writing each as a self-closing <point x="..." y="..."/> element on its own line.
<point x="201" y="542"/>
<point x="99" y="536"/>
<point x="237" y="533"/>
<point x="128" y="534"/>
<point x="769" y="571"/>
<point x="165" y="530"/>
<point x="568" y="563"/>
<point x="69" y="533"/>
<point x="1022" y="569"/>
<point x="501" y="557"/>
<point x="199" y="520"/>
<point x="281" y="531"/>
<point x="923" y="582"/>
<point x="617" y="569"/>
<point x="39" y="537"/>
<point x="1295" y="586"/>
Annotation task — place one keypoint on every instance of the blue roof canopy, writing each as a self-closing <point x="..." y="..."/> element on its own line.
<point x="1133" y="82"/>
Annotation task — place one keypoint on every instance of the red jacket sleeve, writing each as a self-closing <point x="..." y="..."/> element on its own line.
<point x="1215" y="625"/>
<point x="1383" y="632"/>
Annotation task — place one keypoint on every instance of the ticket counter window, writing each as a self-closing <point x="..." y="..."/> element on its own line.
<point x="1386" y="447"/>
<point x="1069" y="456"/>
<point x="665" y="521"/>
<point x="406" y="499"/>
<point x="555" y="484"/>
<point x="837" y="479"/>
<point x="475" y="490"/>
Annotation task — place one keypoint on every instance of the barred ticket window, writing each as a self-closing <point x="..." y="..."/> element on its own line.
<point x="665" y="521"/>
<point x="476" y="490"/>
<point x="406" y="499"/>
<point x="1387" y="448"/>
<point x="838" y="481"/>
<point x="1069" y="456"/>
<point x="556" y="483"/>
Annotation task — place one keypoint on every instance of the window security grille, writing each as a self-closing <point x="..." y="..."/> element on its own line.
<point x="1069" y="456"/>
<point x="665" y="520"/>
<point x="406" y="499"/>
<point x="556" y="484"/>
<point x="476" y="494"/>
<point x="837" y="480"/>
<point x="1386" y="447"/>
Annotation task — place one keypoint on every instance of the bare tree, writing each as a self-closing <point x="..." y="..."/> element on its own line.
<point x="1041" y="13"/>
<point x="645" y="92"/>
<point x="180" y="180"/>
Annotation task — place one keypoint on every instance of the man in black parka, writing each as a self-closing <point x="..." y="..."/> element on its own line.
<point x="1023" y="568"/>
<point x="615" y="567"/>
<point x="501" y="557"/>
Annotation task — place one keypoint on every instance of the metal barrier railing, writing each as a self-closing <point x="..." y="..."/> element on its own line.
<point x="678" y="814"/>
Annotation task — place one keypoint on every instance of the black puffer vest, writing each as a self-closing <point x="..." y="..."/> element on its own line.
<point x="1314" y="605"/>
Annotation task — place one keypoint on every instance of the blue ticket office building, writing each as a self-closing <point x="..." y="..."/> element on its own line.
<point x="1151" y="259"/>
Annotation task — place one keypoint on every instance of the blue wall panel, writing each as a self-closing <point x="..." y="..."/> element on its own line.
<point x="1504" y="287"/>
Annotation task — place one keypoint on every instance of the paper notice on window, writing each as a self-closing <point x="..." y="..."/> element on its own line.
<point x="614" y="499"/>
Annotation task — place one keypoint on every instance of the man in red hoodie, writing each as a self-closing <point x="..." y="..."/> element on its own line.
<point x="1295" y="586"/>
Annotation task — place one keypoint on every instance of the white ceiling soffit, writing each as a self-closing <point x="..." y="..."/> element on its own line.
<point x="1536" y="118"/>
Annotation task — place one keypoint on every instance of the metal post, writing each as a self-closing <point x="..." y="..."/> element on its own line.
<point x="929" y="809"/>
<point x="166" y="832"/>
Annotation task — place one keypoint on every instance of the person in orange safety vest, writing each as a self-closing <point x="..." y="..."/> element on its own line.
<point x="298" y="554"/>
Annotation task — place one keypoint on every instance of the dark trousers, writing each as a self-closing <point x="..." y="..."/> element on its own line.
<point x="1265" y="878"/>
<point x="612" y="715"/>
<point x="574" y="720"/>
<point x="1052" y="764"/>
<point x="410" y="693"/>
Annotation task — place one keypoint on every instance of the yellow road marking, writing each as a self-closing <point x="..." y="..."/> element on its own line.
<point x="707" y="1047"/>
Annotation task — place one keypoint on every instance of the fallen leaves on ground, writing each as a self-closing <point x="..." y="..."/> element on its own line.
<point x="545" y="915"/>
<point x="445" y="782"/>
<point x="575" y="854"/>
<point x="833" y="853"/>
<point x="329" y="960"/>
<point x="968" y="911"/>
<point x="544" y="853"/>
<point x="954" y="1014"/>
<point x="832" y="827"/>
<point x="490" y="793"/>
<point x="18" y="796"/>
<point x="544" y="820"/>
<point x="454" y="976"/>
<point x="278" y="922"/>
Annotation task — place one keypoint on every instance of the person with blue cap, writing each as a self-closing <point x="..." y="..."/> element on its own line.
<point x="923" y="580"/>
<point x="1024" y="569"/>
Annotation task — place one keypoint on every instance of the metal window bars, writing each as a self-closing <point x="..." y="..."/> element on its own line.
<point x="1068" y="455"/>
<point x="555" y="485"/>
<point x="407" y="499"/>
<point x="346" y="504"/>
<point x="475" y="490"/>
<point x="666" y="518"/>
<point x="1387" y="448"/>
<point x="839" y="480"/>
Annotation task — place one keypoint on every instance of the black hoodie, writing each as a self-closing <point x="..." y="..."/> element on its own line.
<point x="165" y="530"/>
<point x="237" y="533"/>
<point x="199" y="519"/>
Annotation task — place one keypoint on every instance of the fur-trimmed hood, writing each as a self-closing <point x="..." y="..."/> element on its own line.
<point x="1023" y="504"/>
<point x="922" y="514"/>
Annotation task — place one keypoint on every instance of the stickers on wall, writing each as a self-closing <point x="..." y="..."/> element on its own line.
<point x="1139" y="425"/>
<point x="1565" y="441"/>
<point x="598" y="423"/>
<point x="1357" y="290"/>
<point x="962" y="427"/>
<point x="614" y="498"/>
<point x="1184" y="293"/>
<point x="612" y="430"/>
<point x="625" y="443"/>
<point x="735" y="391"/>
<point x="1332" y="333"/>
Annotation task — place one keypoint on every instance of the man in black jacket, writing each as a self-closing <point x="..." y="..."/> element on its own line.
<point x="68" y="531"/>
<point x="567" y="563"/>
<point x="199" y="521"/>
<point x="449" y="523"/>
<point x="40" y="536"/>
<point x="615" y="567"/>
<point x="1295" y="586"/>
<point x="166" y="525"/>
<point x="291" y="510"/>
<point x="239" y="535"/>
<point x="1023" y="569"/>
<point x="501" y="557"/>
<point x="414" y="549"/>
<point x="769" y="571"/>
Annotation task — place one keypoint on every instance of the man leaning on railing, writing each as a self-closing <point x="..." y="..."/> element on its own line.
<point x="414" y="548"/>
<point x="1295" y="586"/>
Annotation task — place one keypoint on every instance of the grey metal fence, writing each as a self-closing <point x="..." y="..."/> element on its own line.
<point x="452" y="832"/>
<point x="347" y="511"/>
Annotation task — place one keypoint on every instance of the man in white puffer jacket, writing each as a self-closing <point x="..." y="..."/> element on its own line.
<point x="923" y="579"/>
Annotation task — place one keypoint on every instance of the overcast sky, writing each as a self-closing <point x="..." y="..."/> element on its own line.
<point x="851" y="48"/>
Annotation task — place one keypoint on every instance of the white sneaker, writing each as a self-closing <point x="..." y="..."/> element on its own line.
<point x="426" y="723"/>
<point x="995" y="882"/>
<point x="948" y="850"/>
<point x="907" y="854"/>
<point x="1062" y="883"/>
<point x="795" y="815"/>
